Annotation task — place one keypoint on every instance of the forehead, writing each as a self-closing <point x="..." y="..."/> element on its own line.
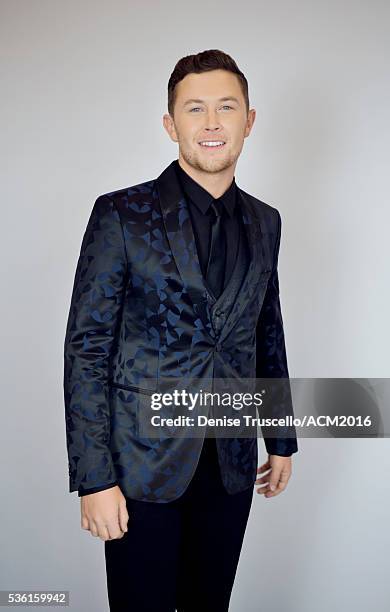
<point x="208" y="86"/>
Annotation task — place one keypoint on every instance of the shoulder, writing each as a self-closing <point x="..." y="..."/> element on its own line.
<point x="129" y="202"/>
<point x="268" y="215"/>
<point x="130" y="193"/>
<point x="134" y="198"/>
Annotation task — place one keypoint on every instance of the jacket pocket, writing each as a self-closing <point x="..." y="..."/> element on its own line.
<point x="132" y="388"/>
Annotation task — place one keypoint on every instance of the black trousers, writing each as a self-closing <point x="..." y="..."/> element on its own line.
<point x="181" y="555"/>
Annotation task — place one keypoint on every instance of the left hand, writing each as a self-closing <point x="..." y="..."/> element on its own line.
<point x="279" y="476"/>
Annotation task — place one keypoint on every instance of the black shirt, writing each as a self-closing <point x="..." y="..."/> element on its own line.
<point x="199" y="200"/>
<point x="199" y="204"/>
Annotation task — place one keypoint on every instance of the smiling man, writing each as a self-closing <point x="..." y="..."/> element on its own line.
<point x="176" y="276"/>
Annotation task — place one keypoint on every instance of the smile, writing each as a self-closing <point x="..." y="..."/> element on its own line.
<point x="212" y="144"/>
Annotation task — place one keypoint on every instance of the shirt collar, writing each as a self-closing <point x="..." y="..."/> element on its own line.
<point x="201" y="197"/>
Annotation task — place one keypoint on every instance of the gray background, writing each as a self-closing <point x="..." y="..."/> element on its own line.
<point x="83" y="94"/>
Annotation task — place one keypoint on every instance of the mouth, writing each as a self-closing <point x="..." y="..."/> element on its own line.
<point x="212" y="145"/>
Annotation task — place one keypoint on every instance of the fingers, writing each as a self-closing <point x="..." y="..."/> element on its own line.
<point x="260" y="470"/>
<point x="264" y="467"/>
<point x="123" y="515"/>
<point x="273" y="483"/>
<point x="106" y="531"/>
<point x="267" y="491"/>
<point x="84" y="522"/>
<point x="104" y="515"/>
<point x="278" y="489"/>
<point x="114" y="533"/>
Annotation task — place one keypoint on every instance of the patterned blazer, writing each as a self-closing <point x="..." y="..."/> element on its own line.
<point x="141" y="313"/>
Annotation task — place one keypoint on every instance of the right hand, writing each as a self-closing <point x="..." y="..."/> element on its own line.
<point x="105" y="514"/>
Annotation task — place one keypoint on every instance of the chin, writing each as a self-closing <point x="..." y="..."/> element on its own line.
<point x="211" y="165"/>
<point x="216" y="165"/>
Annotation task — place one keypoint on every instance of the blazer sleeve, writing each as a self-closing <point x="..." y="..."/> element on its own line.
<point x="271" y="362"/>
<point x="94" y="316"/>
<point x="84" y="492"/>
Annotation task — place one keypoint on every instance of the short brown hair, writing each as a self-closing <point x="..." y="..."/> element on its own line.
<point x="211" y="59"/>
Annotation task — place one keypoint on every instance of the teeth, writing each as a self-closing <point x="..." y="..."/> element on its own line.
<point x="211" y="143"/>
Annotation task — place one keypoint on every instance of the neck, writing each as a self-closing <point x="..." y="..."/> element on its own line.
<point x="215" y="183"/>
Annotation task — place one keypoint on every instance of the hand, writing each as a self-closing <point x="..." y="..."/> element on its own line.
<point x="278" y="478"/>
<point x="105" y="514"/>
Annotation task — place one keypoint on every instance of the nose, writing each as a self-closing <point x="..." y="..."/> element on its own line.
<point x="212" y="122"/>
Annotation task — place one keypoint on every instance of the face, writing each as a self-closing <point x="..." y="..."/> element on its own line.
<point x="210" y="106"/>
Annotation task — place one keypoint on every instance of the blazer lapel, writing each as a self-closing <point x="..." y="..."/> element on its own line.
<point x="257" y="262"/>
<point x="180" y="234"/>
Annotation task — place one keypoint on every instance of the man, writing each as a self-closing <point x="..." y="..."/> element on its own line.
<point x="176" y="276"/>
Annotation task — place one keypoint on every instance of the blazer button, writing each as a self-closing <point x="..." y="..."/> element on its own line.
<point x="218" y="347"/>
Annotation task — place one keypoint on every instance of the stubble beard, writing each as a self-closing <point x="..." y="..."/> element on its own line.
<point x="212" y="165"/>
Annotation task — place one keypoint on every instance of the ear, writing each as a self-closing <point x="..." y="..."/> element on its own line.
<point x="169" y="126"/>
<point x="250" y="121"/>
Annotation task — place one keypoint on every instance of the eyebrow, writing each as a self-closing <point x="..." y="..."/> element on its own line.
<point x="199" y="101"/>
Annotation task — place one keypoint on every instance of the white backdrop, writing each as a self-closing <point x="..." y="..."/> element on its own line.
<point x="83" y="94"/>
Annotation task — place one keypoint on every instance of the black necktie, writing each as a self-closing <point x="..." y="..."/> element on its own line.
<point x="217" y="255"/>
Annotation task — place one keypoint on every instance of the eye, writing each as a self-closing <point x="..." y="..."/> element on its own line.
<point x="195" y="107"/>
<point x="227" y="106"/>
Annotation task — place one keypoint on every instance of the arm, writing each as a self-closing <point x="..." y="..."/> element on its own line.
<point x="94" y="314"/>
<point x="271" y="359"/>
